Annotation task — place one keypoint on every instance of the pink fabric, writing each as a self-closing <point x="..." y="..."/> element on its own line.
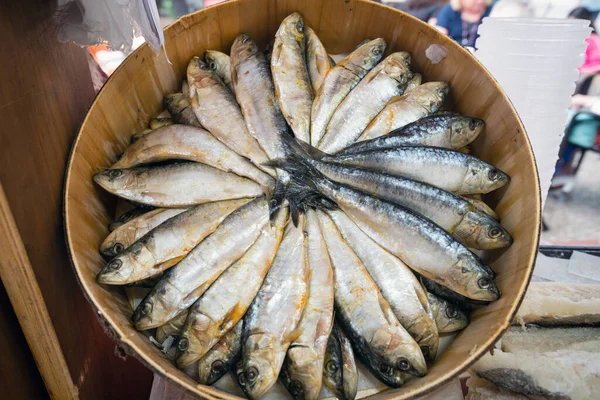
<point x="592" y="55"/>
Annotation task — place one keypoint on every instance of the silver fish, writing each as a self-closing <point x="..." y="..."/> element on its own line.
<point x="339" y="372"/>
<point x="452" y="213"/>
<point x="387" y="80"/>
<point x="189" y="279"/>
<point x="317" y="60"/>
<point x="448" y="317"/>
<point x="255" y="93"/>
<point x="270" y="324"/>
<point x="449" y="170"/>
<point x="302" y="371"/>
<point x="397" y="283"/>
<point x="218" y="111"/>
<point x="339" y="81"/>
<point x="222" y="357"/>
<point x="194" y="144"/>
<point x="128" y="233"/>
<point x="451" y="131"/>
<point x="173" y="239"/>
<point x="228" y="299"/>
<point x="220" y="63"/>
<point x="363" y="312"/>
<point x="290" y="75"/>
<point x="424" y="100"/>
<point x="176" y="185"/>
<point x="421" y="244"/>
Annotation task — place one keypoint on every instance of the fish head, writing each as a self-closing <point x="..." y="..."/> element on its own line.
<point x="475" y="278"/>
<point x="397" y="66"/>
<point x="482" y="177"/>
<point x="215" y="60"/>
<point x="452" y="319"/>
<point x="332" y="366"/>
<point x="152" y="311"/>
<point x="116" y="272"/>
<point x="464" y="130"/>
<point x="370" y="53"/>
<point x="293" y="25"/>
<point x="243" y="47"/>
<point x="303" y="372"/>
<point x="111" y="247"/>
<point x="480" y="231"/>
<point x="429" y="341"/>
<point x="199" y="74"/>
<point x="116" y="179"/>
<point x="262" y="365"/>
<point x="390" y="345"/>
<point x="238" y="371"/>
<point x="430" y="95"/>
<point x="210" y="370"/>
<point x="392" y="377"/>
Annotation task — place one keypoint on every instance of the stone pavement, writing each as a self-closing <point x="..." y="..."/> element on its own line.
<point x="574" y="219"/>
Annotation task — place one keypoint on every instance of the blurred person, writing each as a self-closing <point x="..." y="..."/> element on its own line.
<point x="581" y="132"/>
<point x="512" y="8"/>
<point x="591" y="65"/>
<point x="425" y="10"/>
<point x="461" y="18"/>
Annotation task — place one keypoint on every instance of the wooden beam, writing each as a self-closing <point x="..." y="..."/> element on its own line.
<point x="26" y="298"/>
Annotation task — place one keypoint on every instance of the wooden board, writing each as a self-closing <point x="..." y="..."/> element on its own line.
<point x="20" y="376"/>
<point x="45" y="92"/>
<point x="134" y="94"/>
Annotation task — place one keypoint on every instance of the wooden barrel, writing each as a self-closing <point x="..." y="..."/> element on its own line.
<point x="135" y="91"/>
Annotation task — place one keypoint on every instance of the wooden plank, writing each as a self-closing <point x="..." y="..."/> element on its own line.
<point x="20" y="376"/>
<point x="45" y="92"/>
<point x="25" y="296"/>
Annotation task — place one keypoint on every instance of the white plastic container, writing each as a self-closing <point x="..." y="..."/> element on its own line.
<point x="535" y="60"/>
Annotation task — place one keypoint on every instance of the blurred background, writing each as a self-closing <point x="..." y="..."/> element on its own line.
<point x="572" y="210"/>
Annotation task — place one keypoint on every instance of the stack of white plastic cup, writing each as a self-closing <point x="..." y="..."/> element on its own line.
<point x="535" y="60"/>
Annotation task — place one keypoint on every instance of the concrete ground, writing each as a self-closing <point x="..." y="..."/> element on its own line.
<point x="574" y="219"/>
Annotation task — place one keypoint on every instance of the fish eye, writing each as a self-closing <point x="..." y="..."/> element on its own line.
<point x="245" y="39"/>
<point x="212" y="65"/>
<point x="494" y="232"/>
<point x="424" y="349"/>
<point x="377" y="51"/>
<point x="403" y="364"/>
<point x="118" y="247"/>
<point x="331" y="367"/>
<point x="300" y="26"/>
<point x="464" y="270"/>
<point x="217" y="367"/>
<point x="251" y="374"/>
<point x="472" y="124"/>
<point x="241" y="380"/>
<point x="146" y="308"/>
<point x="114" y="265"/>
<point x="493" y="174"/>
<point x="296" y="388"/>
<point x="115" y="173"/>
<point x="451" y="312"/>
<point x="484" y="283"/>
<point x="183" y="344"/>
